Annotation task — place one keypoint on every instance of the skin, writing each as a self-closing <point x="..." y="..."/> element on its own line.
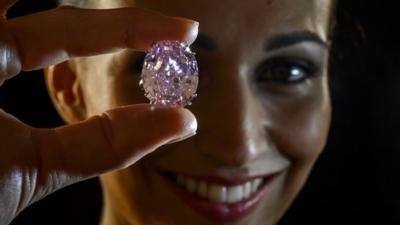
<point x="36" y="162"/>
<point x="248" y="123"/>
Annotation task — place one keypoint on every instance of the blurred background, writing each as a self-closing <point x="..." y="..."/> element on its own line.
<point x="356" y="179"/>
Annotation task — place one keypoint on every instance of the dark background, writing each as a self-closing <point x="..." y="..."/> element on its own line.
<point x="356" y="179"/>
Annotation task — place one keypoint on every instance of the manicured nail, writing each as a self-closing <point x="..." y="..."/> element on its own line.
<point x="182" y="138"/>
<point x="186" y="20"/>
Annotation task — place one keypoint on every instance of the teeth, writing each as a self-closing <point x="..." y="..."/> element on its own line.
<point x="247" y="189"/>
<point x="191" y="185"/>
<point x="202" y="189"/>
<point x="235" y="194"/>
<point x="218" y="193"/>
<point x="180" y="180"/>
<point x="255" y="184"/>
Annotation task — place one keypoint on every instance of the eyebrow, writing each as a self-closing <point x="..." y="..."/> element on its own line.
<point x="292" y="38"/>
<point x="278" y="41"/>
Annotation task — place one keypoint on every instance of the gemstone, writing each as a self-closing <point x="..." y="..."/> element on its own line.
<point x="170" y="74"/>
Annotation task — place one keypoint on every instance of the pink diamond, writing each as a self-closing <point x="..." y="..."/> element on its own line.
<point x="170" y="74"/>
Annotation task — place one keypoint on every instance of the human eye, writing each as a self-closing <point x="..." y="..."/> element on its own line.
<point x="285" y="71"/>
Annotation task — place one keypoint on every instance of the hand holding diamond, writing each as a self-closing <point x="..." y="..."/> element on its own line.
<point x="66" y="155"/>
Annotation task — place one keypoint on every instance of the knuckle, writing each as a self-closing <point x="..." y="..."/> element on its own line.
<point x="108" y="133"/>
<point x="41" y="179"/>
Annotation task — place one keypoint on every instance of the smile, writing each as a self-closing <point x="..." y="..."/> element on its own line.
<point x="219" y="199"/>
<point x="219" y="193"/>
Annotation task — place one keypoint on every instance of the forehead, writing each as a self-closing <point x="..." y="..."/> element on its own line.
<point x="231" y="21"/>
<point x="234" y="11"/>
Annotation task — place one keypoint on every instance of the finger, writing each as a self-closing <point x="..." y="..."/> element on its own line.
<point x="51" y="37"/>
<point x="10" y="64"/>
<point x="5" y="5"/>
<point x="114" y="140"/>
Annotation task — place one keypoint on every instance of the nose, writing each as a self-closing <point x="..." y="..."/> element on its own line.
<point x="231" y="128"/>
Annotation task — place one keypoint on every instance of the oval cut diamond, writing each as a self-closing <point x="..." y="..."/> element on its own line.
<point x="170" y="74"/>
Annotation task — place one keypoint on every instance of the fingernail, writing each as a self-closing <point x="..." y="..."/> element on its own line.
<point x="196" y="24"/>
<point x="192" y="35"/>
<point x="186" y="20"/>
<point x="182" y="138"/>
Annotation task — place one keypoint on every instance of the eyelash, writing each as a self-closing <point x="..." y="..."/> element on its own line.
<point x="285" y="71"/>
<point x="307" y="68"/>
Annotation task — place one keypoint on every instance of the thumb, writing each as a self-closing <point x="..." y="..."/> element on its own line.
<point x="114" y="140"/>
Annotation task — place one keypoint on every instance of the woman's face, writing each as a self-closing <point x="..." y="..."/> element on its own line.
<point x="263" y="113"/>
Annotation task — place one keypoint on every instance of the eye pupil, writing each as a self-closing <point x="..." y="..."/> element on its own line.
<point x="296" y="74"/>
<point x="284" y="71"/>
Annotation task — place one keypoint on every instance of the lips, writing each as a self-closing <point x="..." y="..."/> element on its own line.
<point x="219" y="199"/>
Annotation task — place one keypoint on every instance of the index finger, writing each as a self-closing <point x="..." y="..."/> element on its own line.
<point x="53" y="36"/>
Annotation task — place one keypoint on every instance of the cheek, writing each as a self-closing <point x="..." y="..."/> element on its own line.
<point x="126" y="71"/>
<point x="96" y="79"/>
<point x="127" y="90"/>
<point x="300" y="128"/>
<point x="110" y="82"/>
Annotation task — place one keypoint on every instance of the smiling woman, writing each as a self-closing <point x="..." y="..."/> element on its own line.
<point x="250" y="102"/>
<point x="263" y="113"/>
